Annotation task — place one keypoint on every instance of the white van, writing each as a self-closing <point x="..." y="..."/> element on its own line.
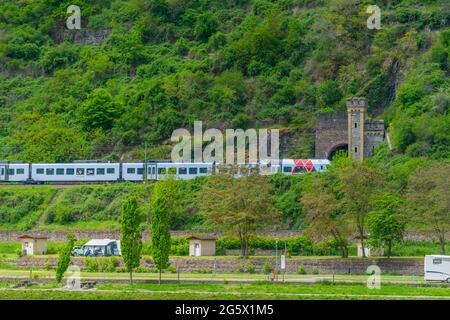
<point x="437" y="268"/>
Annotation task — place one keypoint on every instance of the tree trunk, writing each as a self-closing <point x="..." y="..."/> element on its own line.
<point x="159" y="276"/>
<point x="344" y="251"/>
<point x="389" y="248"/>
<point x="442" y="243"/>
<point x="131" y="276"/>
<point x="362" y="246"/>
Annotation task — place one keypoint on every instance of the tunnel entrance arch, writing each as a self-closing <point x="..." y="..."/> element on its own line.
<point x="340" y="146"/>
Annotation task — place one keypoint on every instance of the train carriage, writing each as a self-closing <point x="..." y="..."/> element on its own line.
<point x="75" y="172"/>
<point x="14" y="172"/>
<point x="183" y="170"/>
<point x="298" y="166"/>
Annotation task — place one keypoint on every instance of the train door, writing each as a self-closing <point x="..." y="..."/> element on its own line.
<point x="3" y="172"/>
<point x="151" y="173"/>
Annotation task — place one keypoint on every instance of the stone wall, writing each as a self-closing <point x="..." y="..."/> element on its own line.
<point x="409" y="266"/>
<point x="60" y="236"/>
<point x="331" y="130"/>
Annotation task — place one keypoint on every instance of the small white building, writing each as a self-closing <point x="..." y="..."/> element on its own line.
<point x="202" y="246"/>
<point x="33" y="245"/>
<point x="437" y="268"/>
<point x="360" y="248"/>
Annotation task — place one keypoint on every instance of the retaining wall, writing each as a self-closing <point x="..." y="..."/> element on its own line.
<point x="400" y="266"/>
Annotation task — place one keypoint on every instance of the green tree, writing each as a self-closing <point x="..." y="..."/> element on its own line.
<point x="428" y="193"/>
<point x="206" y="25"/>
<point x="238" y="206"/>
<point x="323" y="214"/>
<point x="160" y="230"/>
<point x="356" y="185"/>
<point x="131" y="237"/>
<point x="100" y="110"/>
<point x="64" y="257"/>
<point x="384" y="222"/>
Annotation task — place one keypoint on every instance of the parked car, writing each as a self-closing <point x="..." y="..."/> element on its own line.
<point x="77" y="251"/>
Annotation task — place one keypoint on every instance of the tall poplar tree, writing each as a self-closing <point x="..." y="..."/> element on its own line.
<point x="131" y="237"/>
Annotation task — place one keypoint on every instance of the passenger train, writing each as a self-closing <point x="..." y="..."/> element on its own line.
<point x="98" y="171"/>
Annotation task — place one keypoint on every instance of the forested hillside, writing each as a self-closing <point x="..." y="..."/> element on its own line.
<point x="138" y="69"/>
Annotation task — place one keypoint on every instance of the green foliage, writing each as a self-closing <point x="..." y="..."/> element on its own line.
<point x="64" y="257"/>
<point x="385" y="224"/>
<point x="160" y="230"/>
<point x="267" y="267"/>
<point x="130" y="231"/>
<point x="99" y="110"/>
<point x="161" y="65"/>
<point x="20" y="210"/>
<point x="301" y="269"/>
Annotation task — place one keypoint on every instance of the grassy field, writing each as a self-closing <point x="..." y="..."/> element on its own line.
<point x="254" y="291"/>
<point x="49" y="274"/>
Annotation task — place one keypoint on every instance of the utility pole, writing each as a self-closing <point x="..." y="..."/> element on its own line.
<point x="276" y="260"/>
<point x="145" y="163"/>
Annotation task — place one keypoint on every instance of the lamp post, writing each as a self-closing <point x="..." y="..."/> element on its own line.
<point x="276" y="260"/>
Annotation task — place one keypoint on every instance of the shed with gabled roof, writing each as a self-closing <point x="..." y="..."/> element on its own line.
<point x="33" y="244"/>
<point x="202" y="246"/>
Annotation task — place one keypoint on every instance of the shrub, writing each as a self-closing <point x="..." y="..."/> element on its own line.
<point x="47" y="265"/>
<point x="201" y="270"/>
<point x="106" y="264"/>
<point x="142" y="269"/>
<point x="267" y="267"/>
<point x="314" y="270"/>
<point x="301" y="269"/>
<point x="91" y="264"/>
<point x="171" y="269"/>
<point x="239" y="268"/>
<point x="250" y="268"/>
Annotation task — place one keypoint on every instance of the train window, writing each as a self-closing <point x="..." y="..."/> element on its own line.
<point x="80" y="171"/>
<point x="153" y="170"/>
<point x="10" y="172"/>
<point x="59" y="172"/>
<point x="172" y="170"/>
<point x="203" y="170"/>
<point x="90" y="171"/>
<point x="70" y="172"/>
<point x="192" y="170"/>
<point x="50" y="172"/>
<point x="287" y="169"/>
<point x="110" y="171"/>
<point x="20" y="171"/>
<point x="437" y="261"/>
<point x="2" y="171"/>
<point x="131" y="170"/>
<point x="161" y="170"/>
<point x="140" y="171"/>
<point x="182" y="170"/>
<point x="299" y="169"/>
<point x="100" y="171"/>
<point x="39" y="171"/>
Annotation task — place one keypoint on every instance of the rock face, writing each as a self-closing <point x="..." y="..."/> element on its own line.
<point x="410" y="266"/>
<point x="83" y="36"/>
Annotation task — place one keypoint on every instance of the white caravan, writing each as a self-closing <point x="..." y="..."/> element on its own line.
<point x="437" y="268"/>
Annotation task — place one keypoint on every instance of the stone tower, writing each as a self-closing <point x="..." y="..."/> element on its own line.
<point x="356" y="110"/>
<point x="352" y="131"/>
